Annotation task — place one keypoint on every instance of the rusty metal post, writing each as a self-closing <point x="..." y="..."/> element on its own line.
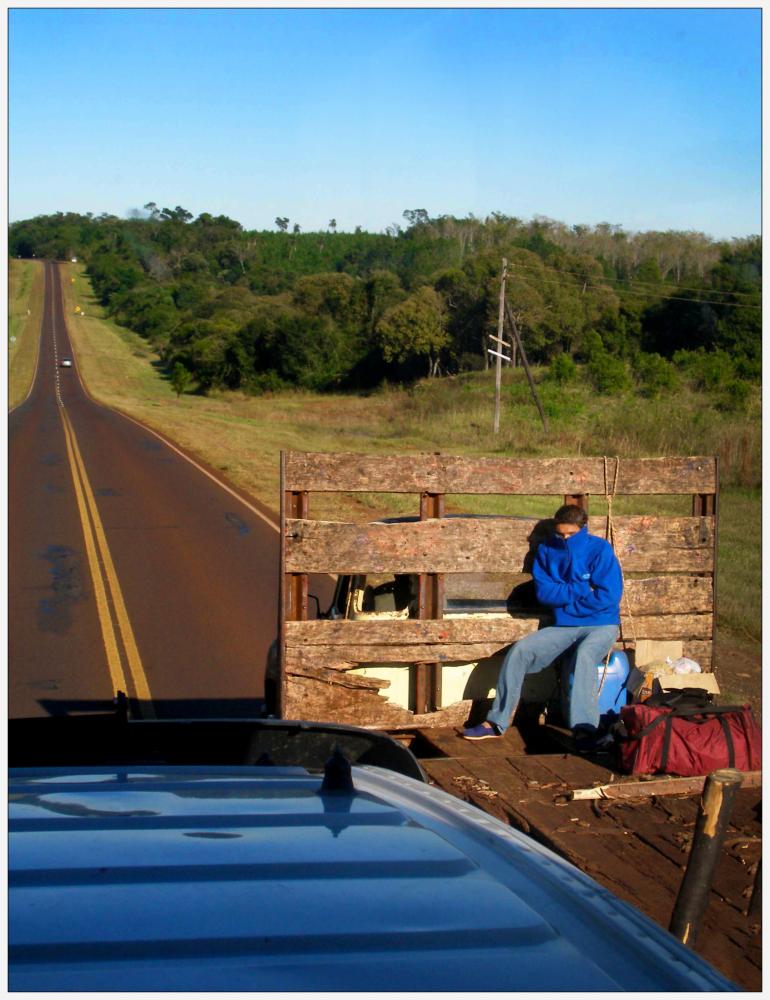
<point x="713" y="816"/>
<point x="430" y="604"/>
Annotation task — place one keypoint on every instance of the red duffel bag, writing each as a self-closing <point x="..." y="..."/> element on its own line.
<point x="688" y="739"/>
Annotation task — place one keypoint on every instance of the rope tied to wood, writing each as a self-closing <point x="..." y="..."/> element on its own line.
<point x="609" y="496"/>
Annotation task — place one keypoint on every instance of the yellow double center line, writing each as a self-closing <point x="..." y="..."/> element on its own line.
<point x="105" y="579"/>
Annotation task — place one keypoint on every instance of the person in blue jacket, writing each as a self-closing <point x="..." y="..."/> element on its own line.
<point x="578" y="576"/>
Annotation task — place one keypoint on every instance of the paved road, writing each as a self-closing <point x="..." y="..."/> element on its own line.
<point x="129" y="568"/>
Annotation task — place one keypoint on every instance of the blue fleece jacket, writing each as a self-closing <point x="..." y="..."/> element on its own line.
<point x="580" y="578"/>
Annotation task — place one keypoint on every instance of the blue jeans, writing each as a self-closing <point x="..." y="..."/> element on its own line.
<point x="589" y="643"/>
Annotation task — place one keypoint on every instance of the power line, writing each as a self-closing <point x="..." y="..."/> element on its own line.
<point x="637" y="281"/>
<point x="554" y="279"/>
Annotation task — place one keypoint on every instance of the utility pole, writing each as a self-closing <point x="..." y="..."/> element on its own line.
<point x="499" y="344"/>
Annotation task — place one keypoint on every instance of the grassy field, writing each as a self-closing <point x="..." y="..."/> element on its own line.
<point x="242" y="436"/>
<point x="25" y="303"/>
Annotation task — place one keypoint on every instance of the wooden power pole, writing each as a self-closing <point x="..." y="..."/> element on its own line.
<point x="499" y="343"/>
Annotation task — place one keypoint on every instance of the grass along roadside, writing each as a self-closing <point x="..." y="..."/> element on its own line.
<point x="25" y="312"/>
<point x="243" y="436"/>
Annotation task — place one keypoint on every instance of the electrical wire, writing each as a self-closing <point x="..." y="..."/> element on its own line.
<point x="636" y="281"/>
<point x="554" y="279"/>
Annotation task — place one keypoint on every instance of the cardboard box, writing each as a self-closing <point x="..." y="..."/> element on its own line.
<point x="669" y="682"/>
<point x="651" y="653"/>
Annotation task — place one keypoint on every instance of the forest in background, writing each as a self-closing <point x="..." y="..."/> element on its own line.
<point x="229" y="308"/>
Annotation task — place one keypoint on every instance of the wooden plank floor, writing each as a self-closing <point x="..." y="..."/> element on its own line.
<point x="638" y="849"/>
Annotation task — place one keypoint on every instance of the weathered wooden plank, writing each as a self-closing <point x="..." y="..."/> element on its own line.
<point x="483" y="586"/>
<point x="446" y="740"/>
<point x="659" y="786"/>
<point x="594" y="844"/>
<point x="700" y="650"/>
<point x="406" y="632"/>
<point x="412" y="632"/>
<point x="431" y="473"/>
<point x="307" y="698"/>
<point x="574" y="770"/>
<point x="668" y="626"/>
<point x="663" y="544"/>
<point x="491" y="545"/>
<point x="344" y="657"/>
<point x="311" y="699"/>
<point x="651" y="595"/>
<point x="331" y="673"/>
<point x="457" y="778"/>
<point x="670" y="594"/>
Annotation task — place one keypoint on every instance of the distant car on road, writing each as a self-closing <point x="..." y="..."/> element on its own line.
<point x="66" y="363"/>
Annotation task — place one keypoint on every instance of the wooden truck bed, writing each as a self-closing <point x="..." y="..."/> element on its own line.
<point x="637" y="848"/>
<point x="352" y="667"/>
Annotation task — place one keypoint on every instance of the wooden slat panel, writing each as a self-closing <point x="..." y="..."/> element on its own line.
<point x="661" y="544"/>
<point x="669" y="594"/>
<point x="317" y="668"/>
<point x="432" y="473"/>
<point x="449" y="632"/>
<point x="668" y="626"/>
<point x="342" y="658"/>
<point x="648" y="596"/>
<point x="406" y="632"/>
<point x="482" y="586"/>
<point x="492" y="545"/>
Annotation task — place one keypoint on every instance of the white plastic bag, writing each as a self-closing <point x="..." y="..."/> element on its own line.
<point x="683" y="665"/>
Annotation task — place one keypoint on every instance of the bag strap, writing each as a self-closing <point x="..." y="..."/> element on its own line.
<point x="650" y="726"/>
<point x="666" y="741"/>
<point x="671" y="697"/>
<point x="728" y="741"/>
<point x="709" y="710"/>
<point x="688" y="712"/>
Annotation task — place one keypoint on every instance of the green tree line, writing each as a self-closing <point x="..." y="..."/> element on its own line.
<point x="251" y="310"/>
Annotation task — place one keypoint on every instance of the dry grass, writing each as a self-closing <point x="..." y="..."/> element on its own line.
<point x="243" y="436"/>
<point x="25" y="312"/>
<point x="739" y="563"/>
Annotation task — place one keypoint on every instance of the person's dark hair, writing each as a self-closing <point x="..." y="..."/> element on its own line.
<point x="570" y="513"/>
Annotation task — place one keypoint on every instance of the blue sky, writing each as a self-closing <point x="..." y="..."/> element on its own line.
<point x="645" y="118"/>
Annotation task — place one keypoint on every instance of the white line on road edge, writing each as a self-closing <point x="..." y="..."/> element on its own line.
<point x="37" y="356"/>
<point x="274" y="525"/>
<point x="199" y="467"/>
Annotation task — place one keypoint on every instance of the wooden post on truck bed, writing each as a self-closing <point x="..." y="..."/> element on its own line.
<point x="706" y="505"/>
<point x="293" y="587"/>
<point x="430" y="604"/>
<point x="579" y="499"/>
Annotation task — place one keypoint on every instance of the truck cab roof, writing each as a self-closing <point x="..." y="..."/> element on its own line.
<point x="165" y="877"/>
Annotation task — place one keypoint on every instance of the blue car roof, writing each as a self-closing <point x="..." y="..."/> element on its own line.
<point x="159" y="878"/>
